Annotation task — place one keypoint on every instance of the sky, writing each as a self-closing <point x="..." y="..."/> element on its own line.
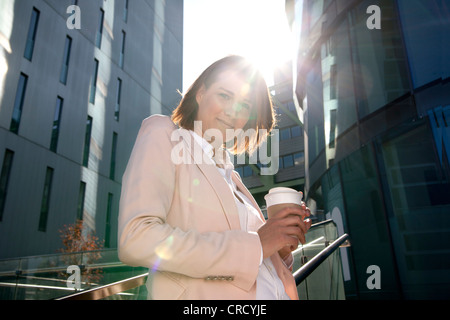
<point x="256" y="29"/>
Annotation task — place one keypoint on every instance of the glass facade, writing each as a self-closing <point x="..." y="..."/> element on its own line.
<point x="376" y="110"/>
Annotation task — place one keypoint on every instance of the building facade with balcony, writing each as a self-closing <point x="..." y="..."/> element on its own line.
<point x="77" y="77"/>
<point x="371" y="85"/>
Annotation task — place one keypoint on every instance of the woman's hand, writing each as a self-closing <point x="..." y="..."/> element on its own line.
<point x="282" y="232"/>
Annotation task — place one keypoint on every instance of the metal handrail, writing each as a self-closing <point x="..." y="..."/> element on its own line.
<point x="131" y="283"/>
<point x="321" y="223"/>
<point x="312" y="264"/>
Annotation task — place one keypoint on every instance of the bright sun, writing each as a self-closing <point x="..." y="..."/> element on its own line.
<point x="256" y="29"/>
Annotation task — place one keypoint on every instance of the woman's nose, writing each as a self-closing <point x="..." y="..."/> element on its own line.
<point x="232" y="110"/>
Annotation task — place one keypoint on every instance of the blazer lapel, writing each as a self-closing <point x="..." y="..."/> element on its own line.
<point x="247" y="193"/>
<point x="218" y="184"/>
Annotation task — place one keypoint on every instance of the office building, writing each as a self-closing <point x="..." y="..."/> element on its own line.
<point x="372" y="89"/>
<point x="76" y="80"/>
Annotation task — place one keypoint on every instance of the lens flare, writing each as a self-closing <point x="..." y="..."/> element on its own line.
<point x="163" y="251"/>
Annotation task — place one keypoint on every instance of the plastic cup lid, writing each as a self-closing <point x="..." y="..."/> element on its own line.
<point x="283" y="195"/>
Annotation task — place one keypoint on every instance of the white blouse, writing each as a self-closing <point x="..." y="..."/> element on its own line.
<point x="268" y="284"/>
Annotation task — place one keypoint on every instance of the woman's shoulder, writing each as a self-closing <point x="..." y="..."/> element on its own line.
<point x="158" y="122"/>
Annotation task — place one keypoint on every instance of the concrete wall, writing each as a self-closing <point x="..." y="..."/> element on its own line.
<point x="151" y="76"/>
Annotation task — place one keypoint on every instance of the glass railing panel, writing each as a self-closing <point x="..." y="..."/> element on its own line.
<point x="138" y="293"/>
<point x="32" y="277"/>
<point x="326" y="281"/>
<point x="46" y="277"/>
<point x="8" y="278"/>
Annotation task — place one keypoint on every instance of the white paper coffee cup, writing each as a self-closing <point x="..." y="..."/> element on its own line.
<point x="283" y="195"/>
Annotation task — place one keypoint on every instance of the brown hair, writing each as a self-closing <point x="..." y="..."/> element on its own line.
<point x="262" y="116"/>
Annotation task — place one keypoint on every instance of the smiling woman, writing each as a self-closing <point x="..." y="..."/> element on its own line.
<point x="195" y="224"/>
<point x="256" y="29"/>
<point x="229" y="94"/>
<point x="220" y="105"/>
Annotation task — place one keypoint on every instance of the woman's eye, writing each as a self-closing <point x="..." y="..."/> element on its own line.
<point x="242" y="107"/>
<point x="224" y="96"/>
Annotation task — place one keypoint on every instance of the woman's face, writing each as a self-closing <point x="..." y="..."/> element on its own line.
<point x="225" y="104"/>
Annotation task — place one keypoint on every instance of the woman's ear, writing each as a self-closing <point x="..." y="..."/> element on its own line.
<point x="200" y="93"/>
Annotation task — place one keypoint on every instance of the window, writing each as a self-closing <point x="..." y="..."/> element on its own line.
<point x="291" y="160"/>
<point x="18" y="103"/>
<point x="291" y="106"/>
<point x="377" y="61"/>
<point x="94" y="82"/>
<point x="299" y="158"/>
<point x="81" y="194"/>
<point x="4" y="179"/>
<point x="288" y="161"/>
<point x="32" y="29"/>
<point x="98" y="38"/>
<point x="285" y="134"/>
<point x="125" y="11"/>
<point x="45" y="204"/>
<point x="112" y="169"/>
<point x="332" y="128"/>
<point x="333" y="84"/>
<point x="248" y="172"/>
<point x="122" y="50"/>
<point x="244" y="171"/>
<point x="418" y="185"/>
<point x="296" y="131"/>
<point x="118" y="95"/>
<point x="65" y="64"/>
<point x="56" y="124"/>
<point x="87" y="141"/>
<point x="108" y="221"/>
<point x="291" y="132"/>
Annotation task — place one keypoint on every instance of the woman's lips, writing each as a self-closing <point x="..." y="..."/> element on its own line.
<point x="225" y="123"/>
